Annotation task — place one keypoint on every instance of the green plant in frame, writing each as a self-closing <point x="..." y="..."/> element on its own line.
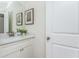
<point x="22" y="30"/>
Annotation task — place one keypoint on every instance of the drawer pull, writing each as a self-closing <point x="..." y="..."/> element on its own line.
<point x="21" y="49"/>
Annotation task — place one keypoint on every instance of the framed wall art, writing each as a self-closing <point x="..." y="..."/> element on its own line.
<point x="29" y="16"/>
<point x="19" y="19"/>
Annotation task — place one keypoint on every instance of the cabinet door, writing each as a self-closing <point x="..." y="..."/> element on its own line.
<point x="14" y="54"/>
<point x="26" y="52"/>
<point x="59" y="51"/>
<point x="17" y="50"/>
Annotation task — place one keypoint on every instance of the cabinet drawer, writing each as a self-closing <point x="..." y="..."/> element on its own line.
<point x="12" y="48"/>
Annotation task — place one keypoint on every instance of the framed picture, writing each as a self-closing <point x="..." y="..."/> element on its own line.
<point x="19" y="19"/>
<point x="29" y="16"/>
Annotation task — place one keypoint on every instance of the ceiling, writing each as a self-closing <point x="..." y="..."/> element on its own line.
<point x="4" y="4"/>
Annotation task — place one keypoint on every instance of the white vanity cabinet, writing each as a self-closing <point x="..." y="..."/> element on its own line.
<point x="19" y="49"/>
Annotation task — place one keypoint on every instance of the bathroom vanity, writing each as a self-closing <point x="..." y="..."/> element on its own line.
<point x="17" y="47"/>
<point x="13" y="46"/>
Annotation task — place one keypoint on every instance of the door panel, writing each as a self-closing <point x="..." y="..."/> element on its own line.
<point x="62" y="17"/>
<point x="59" y="51"/>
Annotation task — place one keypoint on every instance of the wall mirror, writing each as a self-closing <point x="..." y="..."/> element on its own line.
<point x="8" y="11"/>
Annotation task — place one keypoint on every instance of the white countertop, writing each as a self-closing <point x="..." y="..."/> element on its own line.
<point x="5" y="39"/>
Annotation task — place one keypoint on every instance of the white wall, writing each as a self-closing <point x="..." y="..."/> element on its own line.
<point x="38" y="28"/>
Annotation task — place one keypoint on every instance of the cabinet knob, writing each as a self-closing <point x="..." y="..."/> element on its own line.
<point x="21" y="49"/>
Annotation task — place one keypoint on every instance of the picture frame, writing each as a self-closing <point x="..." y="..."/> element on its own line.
<point x="29" y="16"/>
<point x="19" y="19"/>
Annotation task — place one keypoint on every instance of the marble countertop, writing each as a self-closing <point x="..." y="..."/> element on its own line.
<point x="5" y="39"/>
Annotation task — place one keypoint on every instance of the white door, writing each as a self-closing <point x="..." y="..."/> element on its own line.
<point x="61" y="17"/>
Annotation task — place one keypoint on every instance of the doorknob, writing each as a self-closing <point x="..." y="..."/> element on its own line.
<point x="48" y="38"/>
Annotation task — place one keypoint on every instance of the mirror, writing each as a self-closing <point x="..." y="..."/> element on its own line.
<point x="1" y="23"/>
<point x="13" y="9"/>
<point x="8" y="11"/>
<point x="3" y="17"/>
